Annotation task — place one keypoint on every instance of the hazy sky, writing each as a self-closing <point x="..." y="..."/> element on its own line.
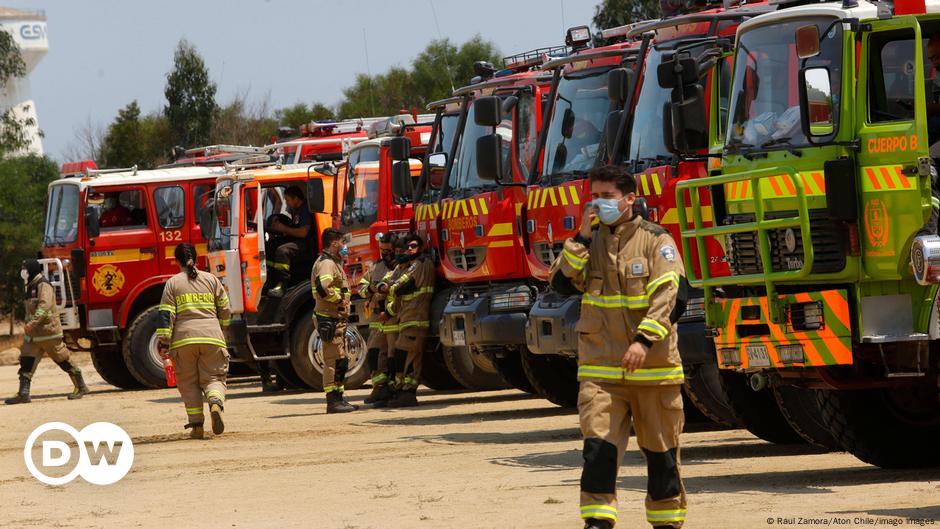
<point x="104" y="54"/>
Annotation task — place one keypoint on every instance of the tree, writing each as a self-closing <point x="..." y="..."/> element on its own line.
<point x="243" y="123"/>
<point x="190" y="95"/>
<point x="124" y="145"/>
<point x="614" y="13"/>
<point x="22" y="209"/>
<point x="13" y="129"/>
<point x="300" y="114"/>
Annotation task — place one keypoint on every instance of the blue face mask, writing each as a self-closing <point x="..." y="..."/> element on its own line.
<point x="608" y="210"/>
<point x="344" y="251"/>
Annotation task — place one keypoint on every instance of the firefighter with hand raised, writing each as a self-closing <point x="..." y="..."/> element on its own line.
<point x="331" y="293"/>
<point x="630" y="273"/>
<point x="43" y="335"/>
<point x="193" y="310"/>
<point x="377" y="347"/>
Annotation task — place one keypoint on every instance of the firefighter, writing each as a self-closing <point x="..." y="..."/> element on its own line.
<point x="331" y="292"/>
<point x="193" y="311"/>
<point x="43" y="335"/>
<point x="390" y="320"/>
<point x="372" y="280"/>
<point x="409" y="300"/>
<point x="294" y="238"/>
<point x="628" y="362"/>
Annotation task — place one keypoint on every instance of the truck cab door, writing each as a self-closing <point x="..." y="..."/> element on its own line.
<point x="893" y="158"/>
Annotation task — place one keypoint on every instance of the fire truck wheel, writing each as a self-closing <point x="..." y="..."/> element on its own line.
<point x="140" y="350"/>
<point x="888" y="428"/>
<point x="703" y="388"/>
<point x="554" y="377"/>
<point x="464" y="367"/>
<point x="757" y="410"/>
<point x="800" y="409"/>
<point x="509" y="366"/>
<point x="306" y="354"/>
<point x="241" y="369"/>
<point x="109" y="363"/>
<point x="434" y="372"/>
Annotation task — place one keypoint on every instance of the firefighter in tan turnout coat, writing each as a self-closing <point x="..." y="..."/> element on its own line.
<point x="331" y="293"/>
<point x="193" y="311"/>
<point x="43" y="335"/>
<point x="370" y="286"/>
<point x="629" y="272"/>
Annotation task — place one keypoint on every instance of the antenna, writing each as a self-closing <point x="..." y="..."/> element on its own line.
<point x="365" y="44"/>
<point x="444" y="43"/>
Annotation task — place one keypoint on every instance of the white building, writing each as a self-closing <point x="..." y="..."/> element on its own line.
<point x="28" y="28"/>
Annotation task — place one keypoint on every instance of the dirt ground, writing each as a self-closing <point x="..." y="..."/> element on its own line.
<point x="462" y="460"/>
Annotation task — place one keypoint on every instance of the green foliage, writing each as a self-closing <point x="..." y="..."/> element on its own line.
<point x="614" y="13"/>
<point x="124" y="145"/>
<point x="22" y="211"/>
<point x="190" y="95"/>
<point x="13" y="129"/>
<point x="300" y="114"/>
<point x="240" y="123"/>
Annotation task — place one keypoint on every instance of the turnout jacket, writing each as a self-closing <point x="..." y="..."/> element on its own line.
<point x="629" y="277"/>
<point x="330" y="288"/>
<point x="42" y="312"/>
<point x="409" y="296"/>
<point x="368" y="289"/>
<point x="193" y="311"/>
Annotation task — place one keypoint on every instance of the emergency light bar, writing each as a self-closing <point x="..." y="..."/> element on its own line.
<point x="95" y="172"/>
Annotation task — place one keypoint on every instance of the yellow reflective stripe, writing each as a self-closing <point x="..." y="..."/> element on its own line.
<point x="675" y="515"/>
<point x="420" y="291"/>
<point x="375" y="325"/>
<point x="221" y="302"/>
<point x="166" y="308"/>
<point x="619" y="373"/>
<point x="280" y="266"/>
<point x="194" y="411"/>
<point x="325" y="278"/>
<point x="44" y="338"/>
<point x="331" y="388"/>
<point x="163" y="331"/>
<point x="668" y="277"/>
<point x="215" y="393"/>
<point x="616" y="301"/>
<point x="414" y="323"/>
<point x="40" y="312"/>
<point x="578" y="263"/>
<point x="205" y="340"/>
<point x="390" y="327"/>
<point x="599" y="511"/>
<point x="379" y="378"/>
<point x="225" y="323"/>
<point x="935" y="202"/>
<point x="654" y="327"/>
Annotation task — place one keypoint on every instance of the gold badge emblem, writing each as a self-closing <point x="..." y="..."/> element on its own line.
<point x="108" y="280"/>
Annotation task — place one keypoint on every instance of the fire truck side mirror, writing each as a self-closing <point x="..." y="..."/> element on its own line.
<point x="676" y="70"/>
<point x="641" y="208"/>
<point x="611" y="126"/>
<point x="437" y="165"/>
<point x="619" y="81"/>
<point x="489" y="157"/>
<point x="316" y="200"/>
<point x="816" y="112"/>
<point x="402" y="183"/>
<point x="488" y="111"/>
<point x="399" y="148"/>
<point x="92" y="228"/>
<point x="688" y="120"/>
<point x="78" y="262"/>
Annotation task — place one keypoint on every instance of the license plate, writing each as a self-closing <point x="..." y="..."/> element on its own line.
<point x="757" y="356"/>
<point x="460" y="338"/>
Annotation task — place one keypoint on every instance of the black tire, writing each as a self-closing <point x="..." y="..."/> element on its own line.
<point x="287" y="377"/>
<point x="509" y="366"/>
<point x="801" y="409"/>
<point x="892" y="428"/>
<point x="109" y="363"/>
<point x="703" y="388"/>
<point x="692" y="413"/>
<point x="307" y="360"/>
<point x="554" y="377"/>
<point x="140" y="350"/>
<point x="434" y="372"/>
<point x="757" y="411"/>
<point x="463" y="366"/>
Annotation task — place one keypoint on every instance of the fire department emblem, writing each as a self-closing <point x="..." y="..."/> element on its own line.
<point x="108" y="280"/>
<point x="876" y="215"/>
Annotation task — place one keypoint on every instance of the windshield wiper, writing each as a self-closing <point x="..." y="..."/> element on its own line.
<point x="785" y="143"/>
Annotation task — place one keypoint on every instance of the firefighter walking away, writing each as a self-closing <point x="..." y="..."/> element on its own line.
<point x="193" y="311"/>
<point x="628" y="362"/>
<point x="43" y="335"/>
<point x="331" y="293"/>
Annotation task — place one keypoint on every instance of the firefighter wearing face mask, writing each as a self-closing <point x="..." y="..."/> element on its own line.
<point x="331" y="293"/>
<point x="630" y="273"/>
<point x="42" y="335"/>
<point x="377" y="347"/>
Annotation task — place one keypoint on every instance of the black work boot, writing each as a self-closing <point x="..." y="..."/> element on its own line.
<point x="379" y="396"/>
<point x="268" y="384"/>
<point x="406" y="398"/>
<point x="342" y="398"/>
<point x="336" y="404"/>
<point x="22" y="396"/>
<point x="597" y="523"/>
<point x="78" y="381"/>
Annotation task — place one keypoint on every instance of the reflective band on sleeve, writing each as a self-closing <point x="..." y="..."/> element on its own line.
<point x="221" y="302"/>
<point x="281" y="266"/>
<point x="658" y="517"/>
<point x="225" y="323"/>
<point x="390" y="327"/>
<point x="197" y="340"/>
<point x="577" y="263"/>
<point x="668" y="277"/>
<point x="325" y="278"/>
<point x="375" y="325"/>
<point x="413" y="295"/>
<point x="163" y="331"/>
<point x="599" y="511"/>
<point x="616" y="301"/>
<point x="166" y="308"/>
<point x="416" y="323"/>
<point x="638" y="375"/>
<point x="654" y="327"/>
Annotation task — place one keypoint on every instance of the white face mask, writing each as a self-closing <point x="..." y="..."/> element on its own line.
<point x="25" y="275"/>
<point x="608" y="210"/>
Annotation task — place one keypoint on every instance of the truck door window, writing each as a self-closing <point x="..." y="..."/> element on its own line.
<point x="577" y="122"/>
<point x="121" y="210"/>
<point x="251" y="210"/>
<point x="202" y="199"/>
<point x="527" y="135"/>
<point x="891" y="90"/>
<point x="273" y="205"/>
<point x="62" y="215"/>
<point x="362" y="193"/>
<point x="170" y="204"/>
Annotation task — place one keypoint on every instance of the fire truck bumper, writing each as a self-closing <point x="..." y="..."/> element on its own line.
<point x="496" y="316"/>
<point x="550" y="325"/>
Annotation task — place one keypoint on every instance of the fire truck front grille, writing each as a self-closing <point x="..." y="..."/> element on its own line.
<point x="467" y="259"/>
<point x="830" y="246"/>
<point x="547" y="252"/>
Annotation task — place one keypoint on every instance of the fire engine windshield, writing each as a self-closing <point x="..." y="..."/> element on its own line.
<point x="575" y="131"/>
<point x="362" y="192"/>
<point x="765" y="101"/>
<point x="62" y="215"/>
<point x="464" y="175"/>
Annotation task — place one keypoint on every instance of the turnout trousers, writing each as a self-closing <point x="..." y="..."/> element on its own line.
<point x="201" y="369"/>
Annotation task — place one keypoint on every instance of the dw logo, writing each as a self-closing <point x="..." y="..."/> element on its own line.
<point x="101" y="453"/>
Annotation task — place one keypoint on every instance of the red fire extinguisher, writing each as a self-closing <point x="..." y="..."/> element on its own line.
<point x="168" y="367"/>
